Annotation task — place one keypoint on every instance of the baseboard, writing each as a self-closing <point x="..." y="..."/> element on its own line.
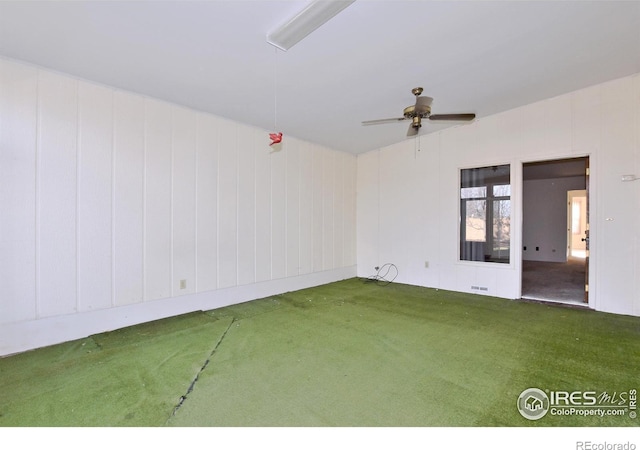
<point x="23" y="336"/>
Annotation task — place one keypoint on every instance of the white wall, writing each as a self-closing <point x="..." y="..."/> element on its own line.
<point x="109" y="199"/>
<point x="408" y="202"/>
<point x="544" y="218"/>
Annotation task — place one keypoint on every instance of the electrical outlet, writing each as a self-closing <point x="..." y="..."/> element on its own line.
<point x="426" y="264"/>
<point x="183" y="284"/>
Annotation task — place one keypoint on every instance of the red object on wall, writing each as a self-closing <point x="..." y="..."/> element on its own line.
<point x="276" y="138"/>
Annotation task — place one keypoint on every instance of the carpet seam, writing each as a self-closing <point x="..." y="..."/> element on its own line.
<point x="183" y="398"/>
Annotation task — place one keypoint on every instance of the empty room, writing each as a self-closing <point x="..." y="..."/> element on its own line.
<point x="319" y="214"/>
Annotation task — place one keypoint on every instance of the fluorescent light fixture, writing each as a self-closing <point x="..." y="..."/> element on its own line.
<point x="305" y="22"/>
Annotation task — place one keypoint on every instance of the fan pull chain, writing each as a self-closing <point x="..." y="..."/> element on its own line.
<point x="276" y="137"/>
<point x="275" y="90"/>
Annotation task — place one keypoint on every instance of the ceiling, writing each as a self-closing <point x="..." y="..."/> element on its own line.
<point x="478" y="56"/>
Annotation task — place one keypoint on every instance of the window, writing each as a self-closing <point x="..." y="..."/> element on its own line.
<point x="485" y="214"/>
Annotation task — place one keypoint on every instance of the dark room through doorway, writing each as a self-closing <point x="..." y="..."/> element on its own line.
<point x="555" y="235"/>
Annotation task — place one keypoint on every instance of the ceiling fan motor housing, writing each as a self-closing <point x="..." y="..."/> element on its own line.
<point x="421" y="109"/>
<point x="424" y="112"/>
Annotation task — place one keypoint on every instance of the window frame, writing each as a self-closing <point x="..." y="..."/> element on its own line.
<point x="489" y="198"/>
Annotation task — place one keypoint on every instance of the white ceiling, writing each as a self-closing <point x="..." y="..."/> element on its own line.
<point x="477" y="56"/>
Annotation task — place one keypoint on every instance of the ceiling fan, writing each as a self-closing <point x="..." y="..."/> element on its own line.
<point x="421" y="110"/>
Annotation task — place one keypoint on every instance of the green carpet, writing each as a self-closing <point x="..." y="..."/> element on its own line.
<point x="130" y="377"/>
<point x="344" y="354"/>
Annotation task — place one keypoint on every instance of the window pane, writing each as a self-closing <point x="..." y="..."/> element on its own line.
<point x="485" y="176"/>
<point x="503" y="190"/>
<point x="476" y="221"/>
<point x="501" y="229"/>
<point x="473" y="192"/>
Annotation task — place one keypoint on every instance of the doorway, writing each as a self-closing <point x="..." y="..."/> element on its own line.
<point x="577" y="223"/>
<point x="555" y="238"/>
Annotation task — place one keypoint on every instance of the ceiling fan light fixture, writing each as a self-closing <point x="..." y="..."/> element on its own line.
<point x="304" y="23"/>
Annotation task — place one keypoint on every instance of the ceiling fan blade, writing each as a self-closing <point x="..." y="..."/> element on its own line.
<point x="375" y="122"/>
<point x="452" y="117"/>
<point x="412" y="131"/>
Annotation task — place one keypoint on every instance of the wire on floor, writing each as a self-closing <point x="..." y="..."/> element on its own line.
<point x="385" y="275"/>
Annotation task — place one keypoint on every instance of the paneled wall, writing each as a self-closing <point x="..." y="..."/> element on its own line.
<point x="408" y="193"/>
<point x="110" y="201"/>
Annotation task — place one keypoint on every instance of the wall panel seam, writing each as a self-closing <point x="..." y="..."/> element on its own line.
<point x="171" y="202"/>
<point x="38" y="188"/>
<point x="238" y="150"/>
<point x="299" y="220"/>
<point x="113" y="199"/>
<point x="77" y="212"/>
<point x="196" y="208"/>
<point x="145" y="131"/>
<point x="218" y="208"/>
<point x="286" y="214"/>
<point x="271" y="217"/>
<point x="255" y="210"/>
